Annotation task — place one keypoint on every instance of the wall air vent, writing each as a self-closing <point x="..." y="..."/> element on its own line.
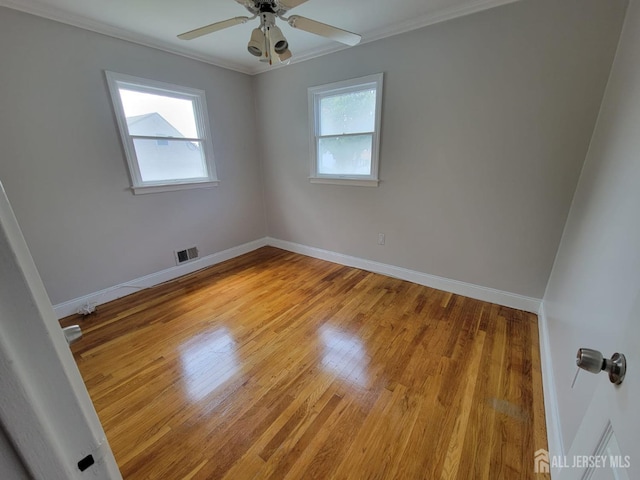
<point x="186" y="255"/>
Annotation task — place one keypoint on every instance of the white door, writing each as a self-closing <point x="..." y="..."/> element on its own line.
<point x="45" y="408"/>
<point x="607" y="445"/>
<point x="593" y="296"/>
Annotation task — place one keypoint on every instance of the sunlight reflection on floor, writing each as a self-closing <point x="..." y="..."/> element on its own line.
<point x="345" y="355"/>
<point x="208" y="360"/>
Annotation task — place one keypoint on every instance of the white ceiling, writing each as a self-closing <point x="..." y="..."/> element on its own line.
<point x="157" y="22"/>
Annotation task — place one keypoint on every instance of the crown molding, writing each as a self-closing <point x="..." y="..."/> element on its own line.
<point x="38" y="9"/>
<point x="34" y="7"/>
<point x="433" y="18"/>
<point x="404" y="27"/>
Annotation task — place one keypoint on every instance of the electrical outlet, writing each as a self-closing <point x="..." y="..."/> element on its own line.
<point x="381" y="239"/>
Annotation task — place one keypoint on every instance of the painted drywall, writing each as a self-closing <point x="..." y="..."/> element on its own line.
<point x="11" y="467"/>
<point x="486" y="124"/>
<point x="63" y="167"/>
<point x="593" y="296"/>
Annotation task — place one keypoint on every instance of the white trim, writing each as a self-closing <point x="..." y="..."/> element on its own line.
<point x="117" y="291"/>
<point x="432" y="19"/>
<point x="492" y="295"/>
<point x="356" y="182"/>
<point x="36" y="8"/>
<point x="45" y="408"/>
<point x="552" y="414"/>
<point x="46" y="11"/>
<point x="198" y="100"/>
<point x="403" y="27"/>
<point x="143" y="189"/>
<point x="315" y="95"/>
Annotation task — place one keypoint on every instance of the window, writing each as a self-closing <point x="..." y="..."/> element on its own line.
<point x="344" y="119"/>
<point x="165" y="133"/>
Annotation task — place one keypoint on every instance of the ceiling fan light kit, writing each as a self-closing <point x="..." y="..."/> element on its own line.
<point x="267" y="41"/>
<point x="285" y="56"/>
<point x="280" y="44"/>
<point x="257" y="43"/>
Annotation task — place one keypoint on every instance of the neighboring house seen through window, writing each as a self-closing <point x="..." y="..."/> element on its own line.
<point x="165" y="133"/>
<point x="344" y="118"/>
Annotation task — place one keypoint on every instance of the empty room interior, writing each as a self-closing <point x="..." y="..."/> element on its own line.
<point x="391" y="240"/>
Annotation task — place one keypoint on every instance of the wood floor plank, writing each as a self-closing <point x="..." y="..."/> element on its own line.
<point x="455" y="448"/>
<point x="278" y="366"/>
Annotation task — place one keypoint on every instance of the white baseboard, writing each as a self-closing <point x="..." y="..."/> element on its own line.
<point x="461" y="288"/>
<point x="552" y="414"/>
<point x="108" y="294"/>
<point x="454" y="286"/>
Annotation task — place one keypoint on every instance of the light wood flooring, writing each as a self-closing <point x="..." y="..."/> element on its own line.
<point x="279" y="366"/>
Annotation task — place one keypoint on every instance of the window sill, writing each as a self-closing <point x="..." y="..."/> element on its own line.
<point x="356" y="182"/>
<point x="144" y="189"/>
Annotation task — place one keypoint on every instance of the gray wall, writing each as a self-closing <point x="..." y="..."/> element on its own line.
<point x="11" y="467"/>
<point x="593" y="297"/>
<point x="486" y="124"/>
<point x="63" y="167"/>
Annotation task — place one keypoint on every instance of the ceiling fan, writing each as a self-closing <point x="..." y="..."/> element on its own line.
<point x="267" y="41"/>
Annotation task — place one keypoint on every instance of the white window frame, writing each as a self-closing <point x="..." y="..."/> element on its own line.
<point x="315" y="95"/>
<point x="139" y="186"/>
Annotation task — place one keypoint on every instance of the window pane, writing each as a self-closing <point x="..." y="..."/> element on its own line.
<point x="169" y="160"/>
<point x="353" y="112"/>
<point x="151" y="114"/>
<point x="345" y="155"/>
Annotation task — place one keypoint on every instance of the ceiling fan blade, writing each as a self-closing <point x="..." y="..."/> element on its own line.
<point x="324" y="30"/>
<point x="289" y="4"/>
<point x="214" y="27"/>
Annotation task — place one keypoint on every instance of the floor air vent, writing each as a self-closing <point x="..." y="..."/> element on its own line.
<point x="187" y="255"/>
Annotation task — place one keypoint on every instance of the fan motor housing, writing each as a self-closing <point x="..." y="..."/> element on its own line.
<point x="263" y="7"/>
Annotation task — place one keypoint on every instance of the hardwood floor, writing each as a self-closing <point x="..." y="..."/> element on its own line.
<point x="274" y="365"/>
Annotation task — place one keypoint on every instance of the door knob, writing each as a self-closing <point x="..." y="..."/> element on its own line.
<point x="593" y="361"/>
